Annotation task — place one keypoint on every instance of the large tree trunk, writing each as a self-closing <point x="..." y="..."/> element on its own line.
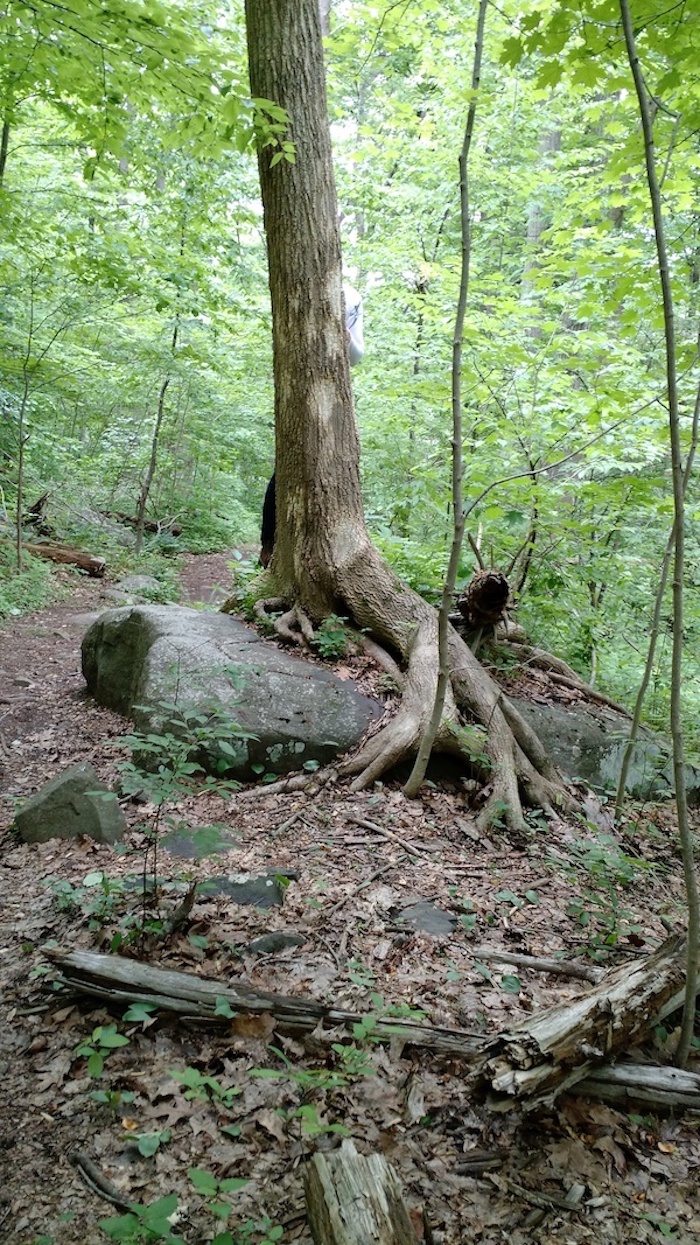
<point x="324" y="561"/>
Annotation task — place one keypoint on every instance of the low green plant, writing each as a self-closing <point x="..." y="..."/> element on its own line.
<point x="113" y="1099"/>
<point x="148" y="1144"/>
<point x="205" y="1088"/>
<point x="104" y="1040"/>
<point x="331" y="638"/>
<point x="609" y="872"/>
<point x="96" y="898"/>
<point x="145" y="1223"/>
<point x="207" y="1186"/>
<point x="247" y="584"/>
<point x="309" y="1080"/>
<point x="166" y="767"/>
<point x="26" y="590"/>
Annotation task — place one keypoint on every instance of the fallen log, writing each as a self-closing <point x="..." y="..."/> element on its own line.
<point x="64" y="554"/>
<point x="352" y="1200"/>
<point x="118" y="980"/>
<point x="556" y="1049"/>
<point x="552" y="1052"/>
<point x="659" y="1087"/>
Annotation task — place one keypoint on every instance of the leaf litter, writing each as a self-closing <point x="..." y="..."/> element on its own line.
<point x="357" y="862"/>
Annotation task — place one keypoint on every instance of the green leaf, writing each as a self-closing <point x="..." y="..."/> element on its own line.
<point x="203" y="1181"/>
<point x="511" y="984"/>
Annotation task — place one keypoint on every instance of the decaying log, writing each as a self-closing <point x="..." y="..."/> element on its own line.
<point x="559" y="968"/>
<point x="658" y="1086"/>
<point x="352" y="1200"/>
<point x="484" y="599"/>
<point x="117" y="979"/>
<point x="562" y="1048"/>
<point x="556" y="1049"/>
<point x="63" y="553"/>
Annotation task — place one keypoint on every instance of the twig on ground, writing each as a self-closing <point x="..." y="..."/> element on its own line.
<point x="378" y="873"/>
<point x="539" y="965"/>
<point x="388" y="834"/>
<point x="97" y="1182"/>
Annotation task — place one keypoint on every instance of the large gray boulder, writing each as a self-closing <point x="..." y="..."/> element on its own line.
<point x="141" y="658"/>
<point x="589" y="743"/>
<point x="75" y="802"/>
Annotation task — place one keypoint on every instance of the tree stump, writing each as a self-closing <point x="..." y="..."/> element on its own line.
<point x="352" y="1200"/>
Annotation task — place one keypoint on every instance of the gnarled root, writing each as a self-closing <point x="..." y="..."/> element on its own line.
<point x="519" y="769"/>
<point x="293" y="625"/>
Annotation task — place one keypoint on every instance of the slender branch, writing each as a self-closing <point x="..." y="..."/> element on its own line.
<point x="429" y="735"/>
<point x="655" y="626"/>
<point x="679" y="529"/>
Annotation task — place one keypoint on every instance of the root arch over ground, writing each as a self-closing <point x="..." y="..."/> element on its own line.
<point x="513" y="764"/>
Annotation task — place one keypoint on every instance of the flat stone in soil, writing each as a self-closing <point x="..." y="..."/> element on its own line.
<point x="429" y="919"/>
<point x="265" y="891"/>
<point x="198" y="842"/>
<point x="274" y="942"/>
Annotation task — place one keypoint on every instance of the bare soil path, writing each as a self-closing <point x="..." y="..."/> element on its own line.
<point x="358" y="862"/>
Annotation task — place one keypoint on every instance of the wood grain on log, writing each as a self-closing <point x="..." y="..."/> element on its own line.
<point x="115" y="978"/>
<point x="555" y="1049"/>
<point x="354" y="1200"/>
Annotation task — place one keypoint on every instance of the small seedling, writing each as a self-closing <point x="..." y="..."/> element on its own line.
<point x="145" y="1223"/>
<point x="205" y="1088"/>
<point x="104" y="1040"/>
<point x="149" y="1143"/>
<point x="114" y="1099"/>
<point x="331" y="638"/>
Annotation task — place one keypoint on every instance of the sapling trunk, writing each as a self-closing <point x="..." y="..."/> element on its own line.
<point x="430" y="733"/>
<point x="679" y="531"/>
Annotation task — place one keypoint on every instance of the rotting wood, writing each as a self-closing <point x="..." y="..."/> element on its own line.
<point x="485" y="598"/>
<point x="119" y="980"/>
<point x="352" y="1199"/>
<point x="658" y="1086"/>
<point x="63" y="554"/>
<point x="555" y="1049"/>
<point x="544" y="1056"/>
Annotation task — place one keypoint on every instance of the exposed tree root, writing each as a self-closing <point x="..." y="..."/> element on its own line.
<point x="380" y="656"/>
<point x="519" y="769"/>
<point x="560" y="672"/>
<point x="393" y="619"/>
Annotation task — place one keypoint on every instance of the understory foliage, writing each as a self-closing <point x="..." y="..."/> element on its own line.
<point x="130" y="220"/>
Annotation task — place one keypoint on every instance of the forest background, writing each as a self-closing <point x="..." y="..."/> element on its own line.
<point x="133" y="296"/>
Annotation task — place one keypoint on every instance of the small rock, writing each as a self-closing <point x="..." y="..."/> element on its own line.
<point x="429" y="919"/>
<point x="276" y="940"/>
<point x="75" y="802"/>
<point x="198" y="842"/>
<point x="265" y="891"/>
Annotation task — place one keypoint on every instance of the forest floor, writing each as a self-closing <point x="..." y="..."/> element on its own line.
<point x="579" y="890"/>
